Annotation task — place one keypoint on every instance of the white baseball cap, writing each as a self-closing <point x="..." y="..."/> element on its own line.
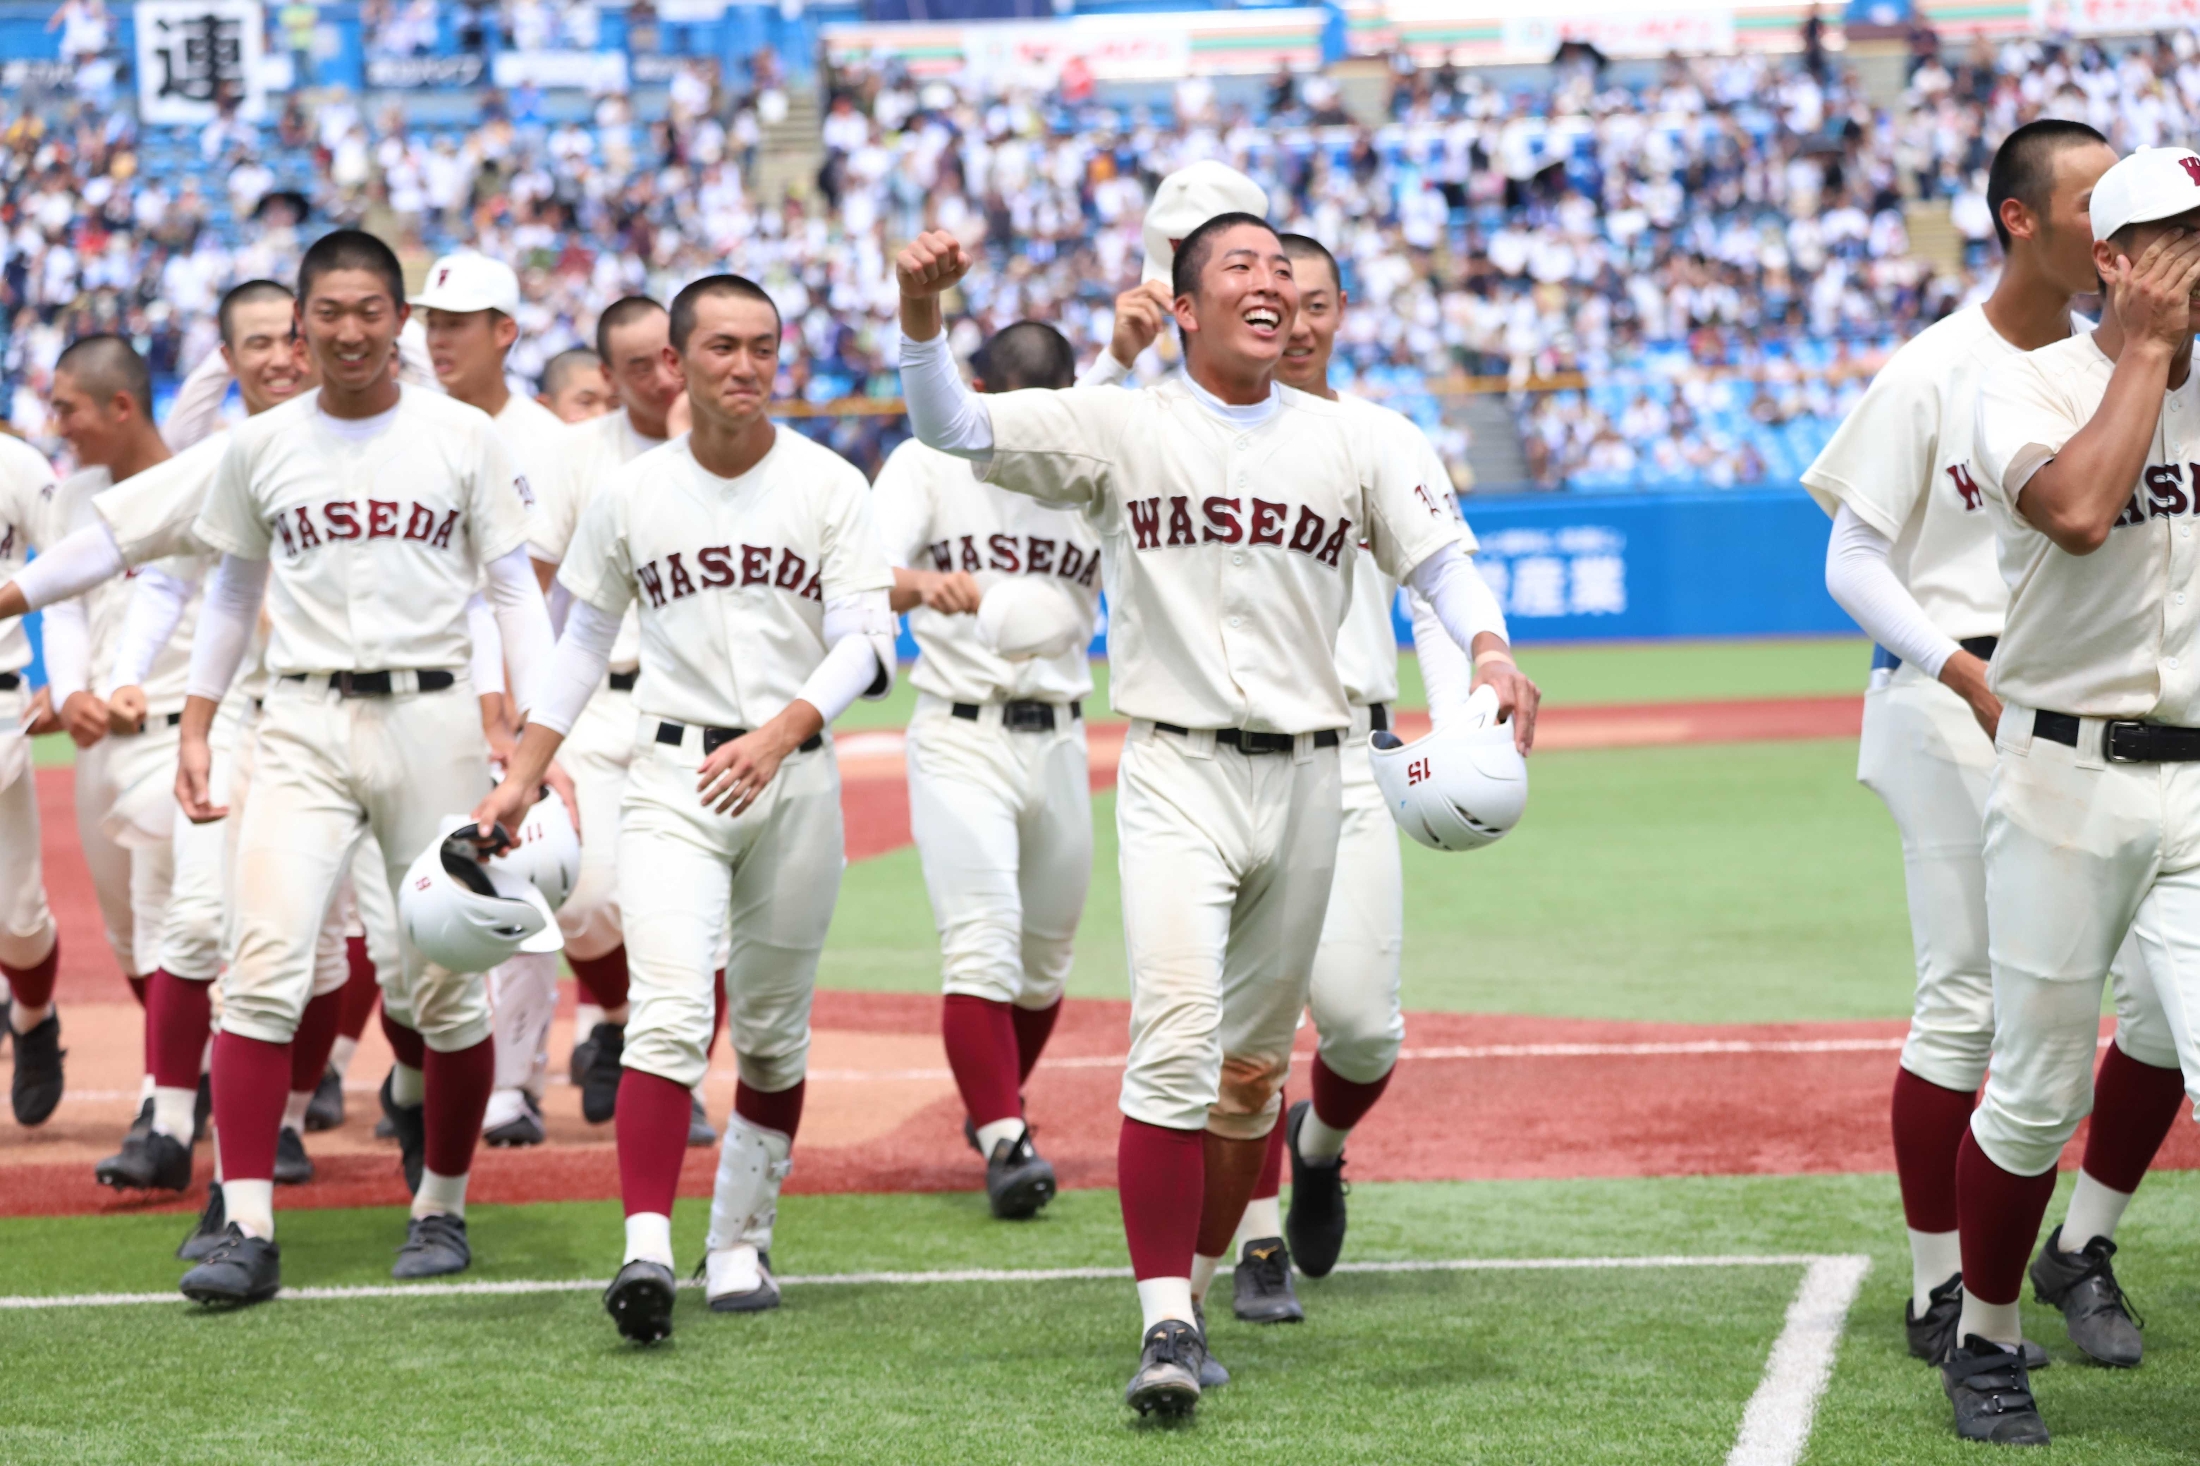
<point x="1188" y="198"/>
<point x="2153" y="183"/>
<point x="470" y="282"/>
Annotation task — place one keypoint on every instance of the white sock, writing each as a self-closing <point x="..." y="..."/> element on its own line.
<point x="1160" y="1298"/>
<point x="994" y="1132"/>
<point x="1319" y="1142"/>
<point x="1263" y="1220"/>
<point x="23" y="1018"/>
<point x="1996" y="1321"/>
<point x="649" y="1238"/>
<point x="408" y="1086"/>
<point x="585" y="1018"/>
<point x="294" y="1110"/>
<point x="1935" y="1257"/>
<point x="616" y="1017"/>
<point x="339" y="1057"/>
<point x="251" y="1206"/>
<point x="445" y="1194"/>
<point x="172" y="1109"/>
<point x="2095" y="1210"/>
<point x="1203" y="1275"/>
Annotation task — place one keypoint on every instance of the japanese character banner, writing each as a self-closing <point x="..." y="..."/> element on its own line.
<point x="192" y="55"/>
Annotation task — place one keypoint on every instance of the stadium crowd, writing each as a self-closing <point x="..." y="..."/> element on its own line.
<point x="1717" y="247"/>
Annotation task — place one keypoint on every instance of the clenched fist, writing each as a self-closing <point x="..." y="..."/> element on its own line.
<point x="931" y="264"/>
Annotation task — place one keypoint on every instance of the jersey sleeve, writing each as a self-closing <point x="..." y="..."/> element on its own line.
<point x="557" y="508"/>
<point x="854" y="559"/>
<point x="1409" y="517"/>
<point x="1436" y="474"/>
<point x="1880" y="460"/>
<point x="1058" y="446"/>
<point x="901" y="505"/>
<point x="2019" y="409"/>
<point x="150" y="515"/>
<point x="496" y="512"/>
<point x="230" y="521"/>
<point x="597" y="567"/>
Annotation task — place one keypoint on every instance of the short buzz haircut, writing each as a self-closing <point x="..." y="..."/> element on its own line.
<point x="2024" y="166"/>
<point x="1306" y="247"/>
<point x="250" y="293"/>
<point x="1192" y="251"/>
<point x="712" y="287"/>
<point x="1027" y="354"/>
<point x="105" y="365"/>
<point x="626" y="308"/>
<point x="351" y="249"/>
<point x="560" y="368"/>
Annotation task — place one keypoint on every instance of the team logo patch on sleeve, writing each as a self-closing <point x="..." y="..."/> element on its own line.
<point x="526" y="490"/>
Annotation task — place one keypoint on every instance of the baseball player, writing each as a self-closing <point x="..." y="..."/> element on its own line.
<point x="1000" y="789"/>
<point x="30" y="953"/>
<point x="381" y="508"/>
<point x="631" y="338"/>
<point x="752" y="559"/>
<point x="2092" y="824"/>
<point x="574" y="386"/>
<point x="1228" y="509"/>
<point x="1912" y="560"/>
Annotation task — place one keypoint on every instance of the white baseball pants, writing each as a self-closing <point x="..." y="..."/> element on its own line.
<point x="329" y="770"/>
<point x="1353" y="996"/>
<point x="2079" y="853"/>
<point x="1003" y="825"/>
<point x="1226" y="862"/>
<point x="26" y="924"/>
<point x="687" y="875"/>
<point x="131" y="882"/>
<point x="596" y="755"/>
<point x="523" y="998"/>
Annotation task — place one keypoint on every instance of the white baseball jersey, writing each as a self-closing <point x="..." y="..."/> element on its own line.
<point x="378" y="530"/>
<point x="934" y="513"/>
<point x="2113" y="634"/>
<point x="1904" y="462"/>
<point x="1230" y="551"/>
<point x="730" y="576"/>
<point x="27" y="485"/>
<point x="152" y="515"/>
<point x="1367" y="643"/>
<point x="537" y="438"/>
<point x="594" y="451"/>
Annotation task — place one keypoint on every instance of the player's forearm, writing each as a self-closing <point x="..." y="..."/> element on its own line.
<point x="68" y="650"/>
<point x="226" y="621"/>
<point x="943" y="411"/>
<point x="1460" y="599"/>
<point x="156" y="604"/>
<point x="577" y="667"/>
<point x="198" y="718"/>
<point x="1107" y="370"/>
<point x="197" y="410"/>
<point x="1447" y="669"/>
<point x="921" y="319"/>
<point x="486" y="665"/>
<point x="523" y="622"/>
<point x="532" y="756"/>
<point x="2077" y="496"/>
<point x="78" y="561"/>
<point x="1862" y="582"/>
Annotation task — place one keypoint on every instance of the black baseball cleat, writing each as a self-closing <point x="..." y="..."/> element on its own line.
<point x="1992" y="1392"/>
<point x="524" y="1128"/>
<point x="239" y="1269"/>
<point x="293" y="1167"/>
<point x="970" y="1136"/>
<point x="434" y="1247"/>
<point x="2083" y="1285"/>
<point x="1315" y="1222"/>
<point x="600" y="1085"/>
<point x="410" y="1127"/>
<point x="326" y="1111"/>
<point x="143" y="1124"/>
<point x="577" y="1062"/>
<point x="1018" y="1180"/>
<point x="639" y="1301"/>
<point x="206" y="1235"/>
<point x="700" y="1133"/>
<point x="148" y="1162"/>
<point x="1933" y="1335"/>
<point x="37" y="1087"/>
<point x="1212" y="1376"/>
<point x="1169" y="1367"/>
<point x="202" y="1111"/>
<point x="1262" y="1284"/>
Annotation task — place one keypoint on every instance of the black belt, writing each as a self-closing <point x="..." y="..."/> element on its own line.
<point x="1981" y="647"/>
<point x="1022" y="714"/>
<point x="624" y="681"/>
<point x="1378" y="718"/>
<point x="716" y="738"/>
<point x="1246" y="742"/>
<point x="378" y="684"/>
<point x="2126" y="741"/>
<point x="9" y="681"/>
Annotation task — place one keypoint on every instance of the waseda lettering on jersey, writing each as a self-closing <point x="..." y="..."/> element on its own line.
<point x="2165" y="495"/>
<point x="1230" y="522"/>
<point x="1967" y="488"/>
<point x="308" y="526"/>
<point x="1032" y="555"/>
<point x="779" y="569"/>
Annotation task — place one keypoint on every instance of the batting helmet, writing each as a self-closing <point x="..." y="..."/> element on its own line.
<point x="546" y="850"/>
<point x="1029" y="616"/>
<point x="468" y="915"/>
<point x="1458" y="789"/>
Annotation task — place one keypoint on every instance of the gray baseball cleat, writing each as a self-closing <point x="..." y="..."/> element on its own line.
<point x="1169" y="1366"/>
<point x="1263" y="1292"/>
<point x="2083" y="1285"/>
<point x="1992" y="1394"/>
<point x="238" y="1270"/>
<point x="435" y="1246"/>
<point x="1212" y="1376"/>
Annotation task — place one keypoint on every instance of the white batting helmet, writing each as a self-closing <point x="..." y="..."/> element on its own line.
<point x="1026" y="616"/>
<point x="1458" y="789"/>
<point x="546" y="851"/>
<point x="466" y="915"/>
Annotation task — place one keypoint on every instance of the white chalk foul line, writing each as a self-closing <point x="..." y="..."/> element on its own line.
<point x="1776" y="1423"/>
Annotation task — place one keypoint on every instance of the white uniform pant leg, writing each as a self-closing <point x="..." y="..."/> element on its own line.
<point x="675" y="863"/>
<point x="371" y="908"/>
<point x="2071" y="849"/>
<point x="198" y="899"/>
<point x="784" y="887"/>
<point x="523" y="997"/>
<point x="597" y="755"/>
<point x="2142" y="1026"/>
<point x="1354" y="993"/>
<point x="97" y="768"/>
<point x="1055" y="835"/>
<point x="27" y="927"/>
<point x="2167" y="935"/>
<point x="1928" y="760"/>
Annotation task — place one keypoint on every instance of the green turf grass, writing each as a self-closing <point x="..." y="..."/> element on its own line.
<point x="1751" y="883"/>
<point x="1570" y="1366"/>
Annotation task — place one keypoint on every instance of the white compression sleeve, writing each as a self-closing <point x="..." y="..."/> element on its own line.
<point x="524" y="623"/>
<point x="74" y="564"/>
<point x="854" y="662"/>
<point x="1459" y="597"/>
<point x="1447" y="671"/>
<point x="945" y="413"/>
<point x="576" y="668"/>
<point x="68" y="636"/>
<point x="196" y="414"/>
<point x="226" y="622"/>
<point x="486" y="666"/>
<point x="149" y="618"/>
<point x="1863" y="583"/>
<point x="1104" y="372"/>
